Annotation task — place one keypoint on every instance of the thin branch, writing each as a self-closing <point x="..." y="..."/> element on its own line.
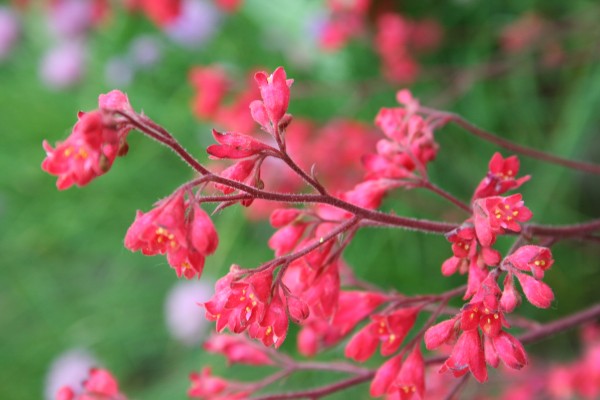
<point x="442" y="193"/>
<point x="507" y="144"/>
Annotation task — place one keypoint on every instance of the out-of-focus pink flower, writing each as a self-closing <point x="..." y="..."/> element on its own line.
<point x="501" y="177"/>
<point x="10" y="30"/>
<point x="185" y="320"/>
<point x="197" y="23"/>
<point x="522" y="33"/>
<point x="70" y="18"/>
<point x="237" y="349"/>
<point x="63" y="65"/>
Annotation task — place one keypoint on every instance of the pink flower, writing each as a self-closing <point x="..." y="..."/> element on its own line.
<point x="510" y="350"/>
<point x="211" y="84"/>
<point x="207" y="386"/>
<point x="275" y="93"/>
<point x="494" y="215"/>
<point x="389" y="330"/>
<point x="385" y="376"/>
<point x="100" y="384"/>
<point x="443" y="332"/>
<point x="95" y="141"/>
<point x="237" y="349"/>
<point x="536" y="259"/>
<point x="369" y="194"/>
<point x="537" y="292"/>
<point x="283" y="216"/>
<point x="410" y="382"/>
<point x="353" y="307"/>
<point x="467" y="355"/>
<point x="236" y="145"/>
<point x="245" y="171"/>
<point x="87" y="153"/>
<point x="510" y="298"/>
<point x="286" y="238"/>
<point x="501" y="177"/>
<point x="185" y="239"/>
<point x="161" y="12"/>
<point x="272" y="328"/>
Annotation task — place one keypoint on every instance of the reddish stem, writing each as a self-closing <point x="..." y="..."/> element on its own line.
<point x="533" y="335"/>
<point x="507" y="144"/>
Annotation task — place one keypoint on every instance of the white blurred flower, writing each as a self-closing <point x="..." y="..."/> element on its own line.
<point x="70" y="368"/>
<point x="184" y="317"/>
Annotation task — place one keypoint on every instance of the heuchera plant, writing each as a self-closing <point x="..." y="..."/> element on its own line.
<point x="308" y="282"/>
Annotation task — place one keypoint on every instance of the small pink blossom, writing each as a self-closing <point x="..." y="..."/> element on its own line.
<point x="275" y="93"/>
<point x="236" y="145"/>
<point x="527" y="258"/>
<point x="537" y="292"/>
<point x="495" y="215"/>
<point x="237" y="349"/>
<point x="501" y="177"/>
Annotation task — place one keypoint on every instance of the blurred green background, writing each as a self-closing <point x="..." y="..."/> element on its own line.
<point x="65" y="279"/>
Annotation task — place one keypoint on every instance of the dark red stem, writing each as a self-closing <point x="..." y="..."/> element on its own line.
<point x="508" y="145"/>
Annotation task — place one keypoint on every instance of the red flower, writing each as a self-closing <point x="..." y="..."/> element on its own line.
<point x="501" y="177"/>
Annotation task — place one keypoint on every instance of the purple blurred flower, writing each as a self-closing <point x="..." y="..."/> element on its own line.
<point x="10" y="30"/>
<point x="197" y="23"/>
<point x="144" y="51"/>
<point x="184" y="317"/>
<point x="62" y="66"/>
<point x="70" y="368"/>
<point x="118" y="72"/>
<point x="70" y="18"/>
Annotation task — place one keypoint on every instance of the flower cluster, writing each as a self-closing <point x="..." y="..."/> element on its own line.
<point x="95" y="142"/>
<point x="308" y="281"/>
<point x="178" y="228"/>
<point x="493" y="215"/>
<point x="409" y="146"/>
<point x="396" y="38"/>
